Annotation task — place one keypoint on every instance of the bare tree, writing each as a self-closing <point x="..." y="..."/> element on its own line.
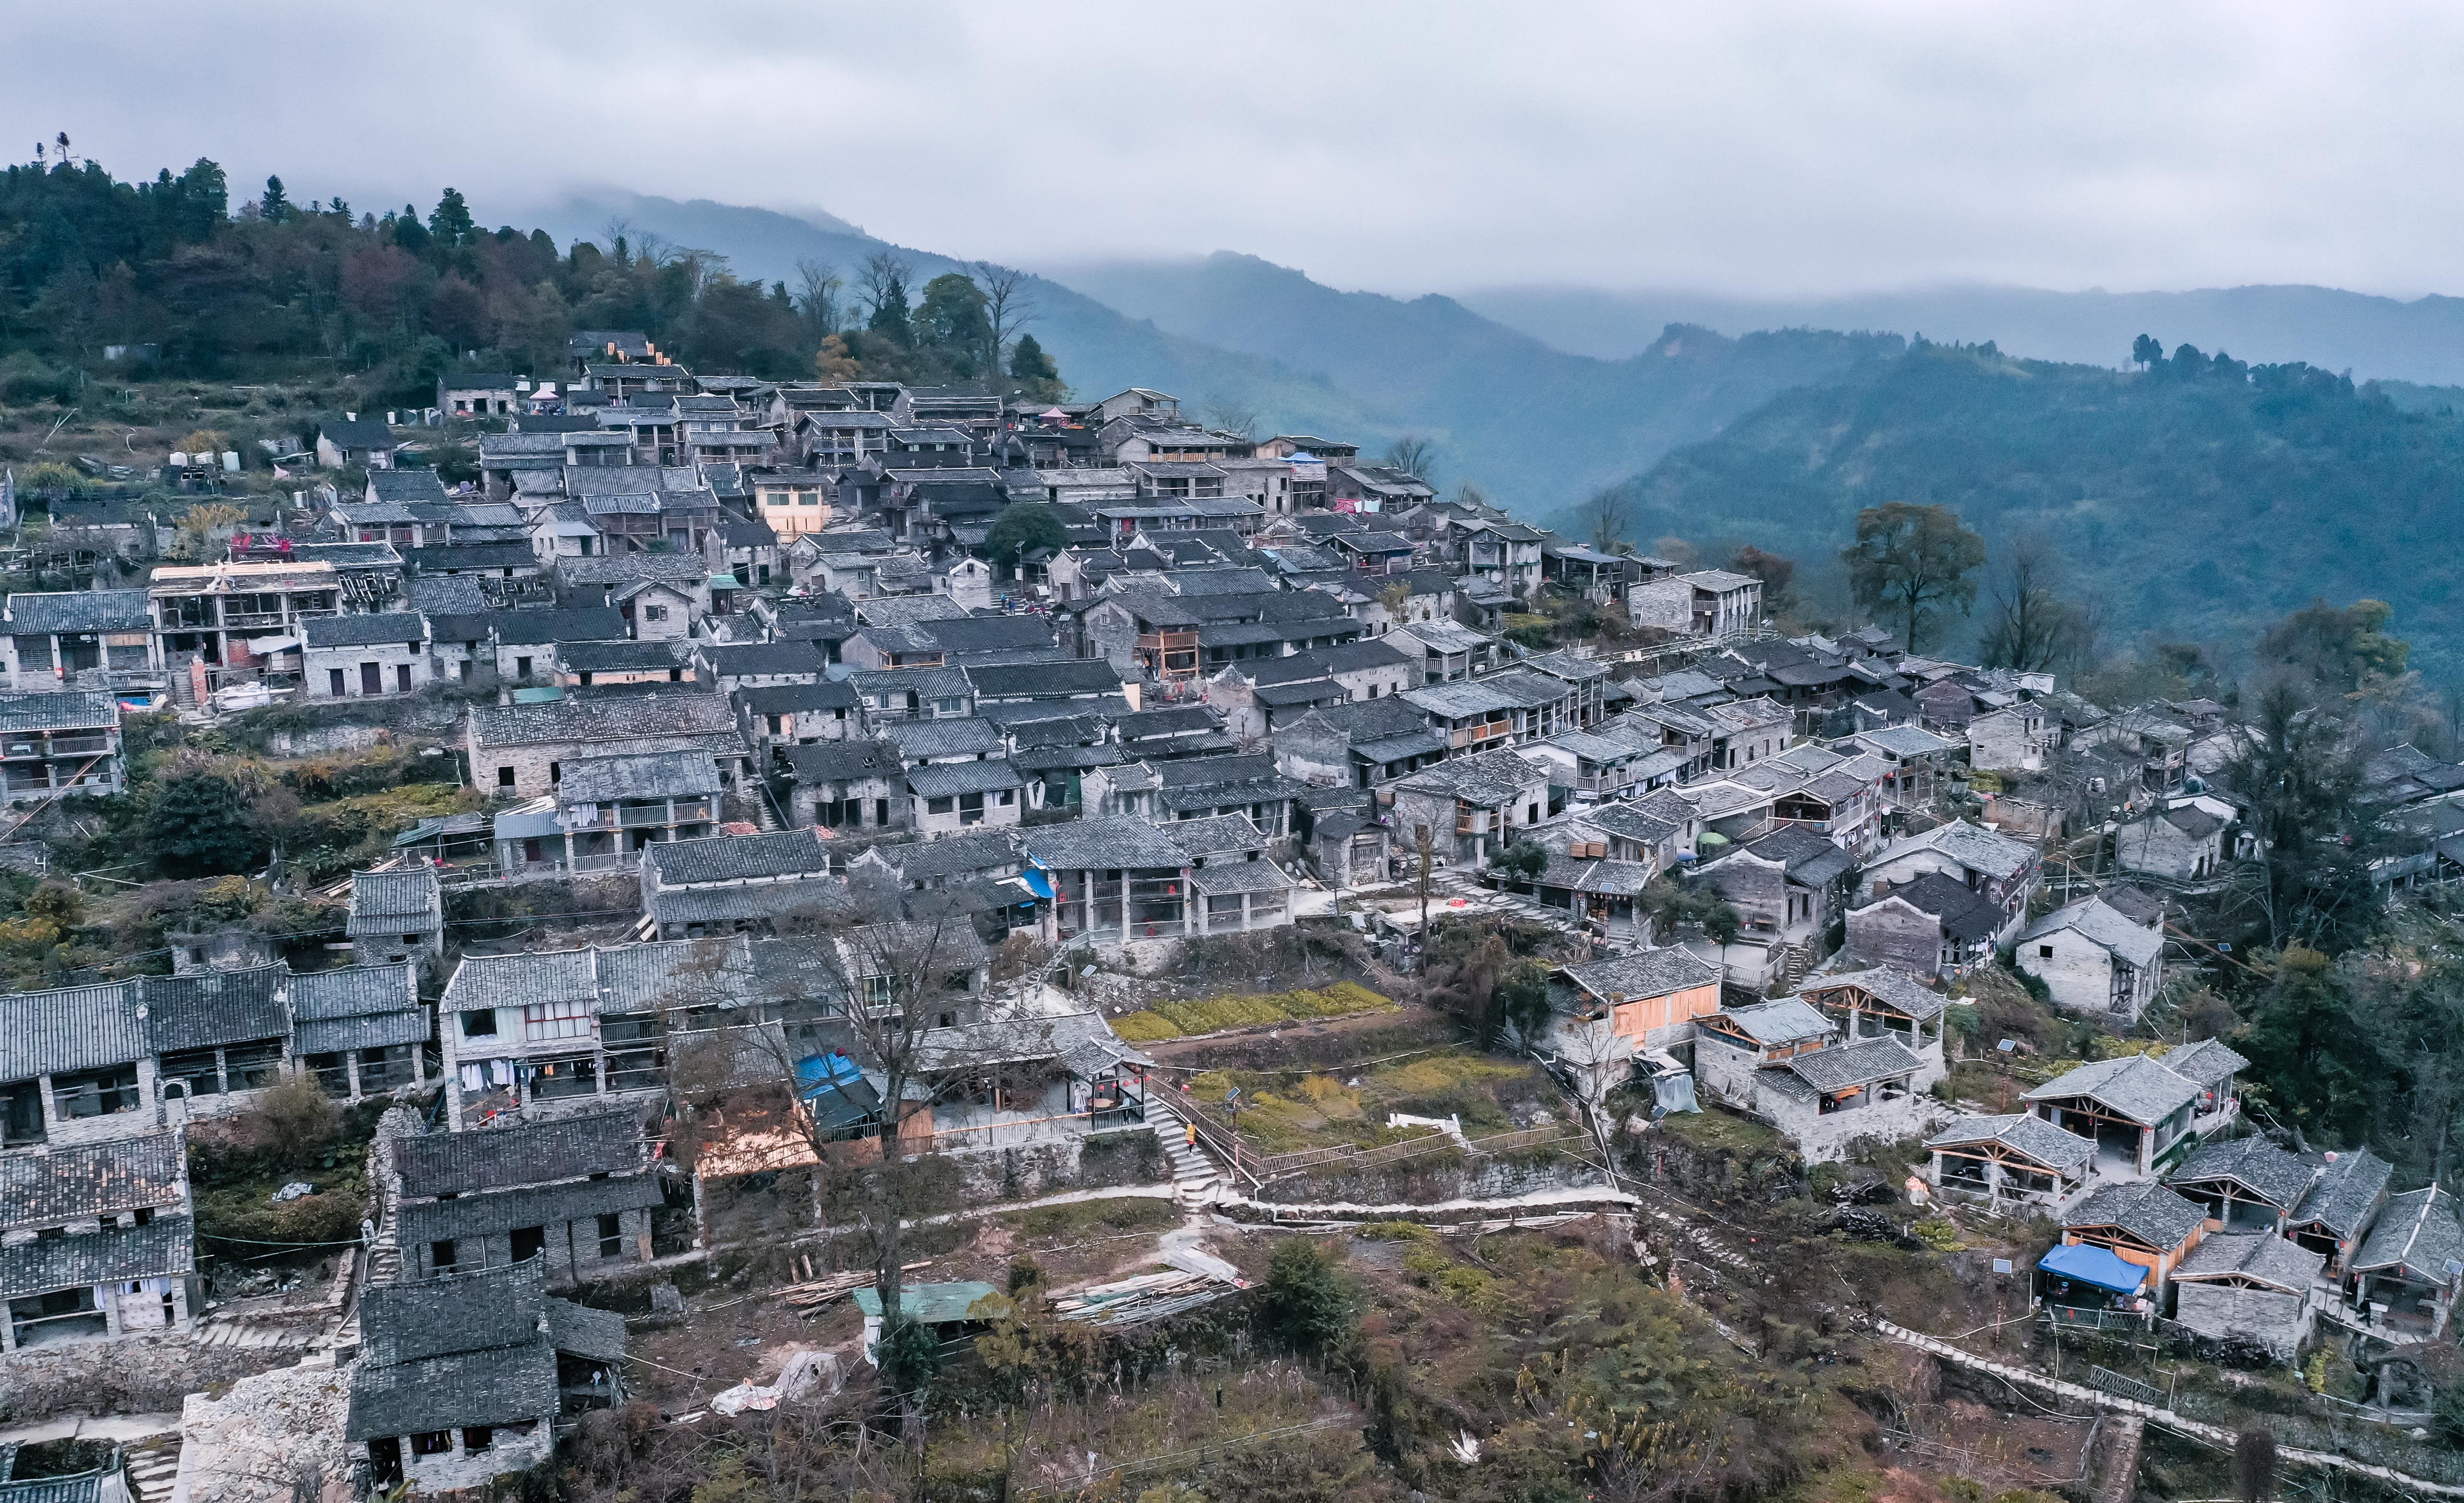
<point x="1608" y="511"/>
<point x="1009" y="307"/>
<point x="2027" y="623"/>
<point x="1236" y="418"/>
<point x="875" y="1023"/>
<point x="1416" y="457"/>
<point x="816" y="298"/>
<point x="883" y="276"/>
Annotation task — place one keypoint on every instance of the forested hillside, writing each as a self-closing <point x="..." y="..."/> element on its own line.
<point x="1532" y="427"/>
<point x="2192" y="501"/>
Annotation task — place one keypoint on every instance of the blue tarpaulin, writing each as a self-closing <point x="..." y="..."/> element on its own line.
<point x="1038" y="882"/>
<point x="2094" y="1265"/>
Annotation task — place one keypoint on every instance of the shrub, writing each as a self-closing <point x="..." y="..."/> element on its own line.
<point x="1305" y="1304"/>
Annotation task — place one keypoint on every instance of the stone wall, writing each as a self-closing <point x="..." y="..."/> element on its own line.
<point x="130" y="1375"/>
<point x="1450" y="1174"/>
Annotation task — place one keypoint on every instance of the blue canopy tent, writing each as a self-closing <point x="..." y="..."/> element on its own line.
<point x="2083" y="1264"/>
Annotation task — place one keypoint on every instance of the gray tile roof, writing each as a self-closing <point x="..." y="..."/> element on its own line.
<point x="643" y="774"/>
<point x="597" y="1334"/>
<point x="627" y="568"/>
<point x="467" y="1350"/>
<point x="842" y="761"/>
<point x="216" y="1007"/>
<point x="919" y="739"/>
<point x="945" y="779"/>
<point x="2020" y="1132"/>
<point x="397" y="628"/>
<point x="501" y="1211"/>
<point x="1215" y="835"/>
<point x="533" y="1153"/>
<point x="2257" y="1166"/>
<point x="809" y="895"/>
<point x="404" y="892"/>
<point x="1644" y="973"/>
<point x="1974" y="848"/>
<point x="619" y="657"/>
<point x="75" y="611"/>
<point x="1887" y="984"/>
<point x="737" y="858"/>
<point x="571" y="624"/>
<point x="2260" y="1256"/>
<point x="1848" y="1066"/>
<point x="164" y="1247"/>
<point x="1487" y="779"/>
<point x="63" y="1183"/>
<point x="682" y="712"/>
<point x="785" y="698"/>
<point x="354" y="992"/>
<point x="68" y="710"/>
<point x="2417" y="1232"/>
<point x="2102" y="926"/>
<point x="953" y="855"/>
<point x="2341" y="1200"/>
<point x="1045" y="680"/>
<point x="1087" y="844"/>
<point x="2209" y="1062"/>
<point x="2148" y="1211"/>
<point x="2134" y="1087"/>
<point x="71" y="1029"/>
<point x="752" y="658"/>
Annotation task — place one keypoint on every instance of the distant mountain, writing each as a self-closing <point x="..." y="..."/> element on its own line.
<point x="1535" y="426"/>
<point x="2422" y="340"/>
<point x="1099" y="351"/>
<point x="2190" y="508"/>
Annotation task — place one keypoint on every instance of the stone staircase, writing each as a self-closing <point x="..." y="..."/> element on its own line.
<point x="153" y="1465"/>
<point x="1194" y="1175"/>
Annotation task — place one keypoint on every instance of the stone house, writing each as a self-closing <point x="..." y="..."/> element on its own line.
<point x="528" y="645"/>
<point x="59" y="742"/>
<point x="948" y="798"/>
<point x="857" y="784"/>
<point x="351" y="440"/>
<point x="1365" y="745"/>
<point x="2002" y="871"/>
<point x="99" y="1242"/>
<point x="53" y="640"/>
<point x="1785" y="888"/>
<point x="1471" y="806"/>
<point x="2249" y="1284"/>
<point x="1933" y="925"/>
<point x="520" y="750"/>
<point x="350" y="657"/>
<point x="2184" y="844"/>
<point x="576" y="1192"/>
<point x="2010" y="1159"/>
<point x="553" y="1034"/>
<point x="1710" y="604"/>
<point x="2093" y="960"/>
<point x="1112" y="878"/>
<point x="460" y="1380"/>
<point x="396" y="915"/>
<point x="2010" y="740"/>
<point x="1784" y="1063"/>
<point x="797" y="714"/>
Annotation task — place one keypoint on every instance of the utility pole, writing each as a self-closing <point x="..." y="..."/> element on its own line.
<point x="1422" y="884"/>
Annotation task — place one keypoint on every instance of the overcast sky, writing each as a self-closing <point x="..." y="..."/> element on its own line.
<point x="1399" y="146"/>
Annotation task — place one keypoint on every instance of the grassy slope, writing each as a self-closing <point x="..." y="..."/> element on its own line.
<point x="2195" y="509"/>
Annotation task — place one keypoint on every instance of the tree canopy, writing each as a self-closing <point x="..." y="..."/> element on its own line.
<point x="1914" y="565"/>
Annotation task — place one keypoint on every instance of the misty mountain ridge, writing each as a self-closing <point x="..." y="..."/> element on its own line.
<point x="2370" y="336"/>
